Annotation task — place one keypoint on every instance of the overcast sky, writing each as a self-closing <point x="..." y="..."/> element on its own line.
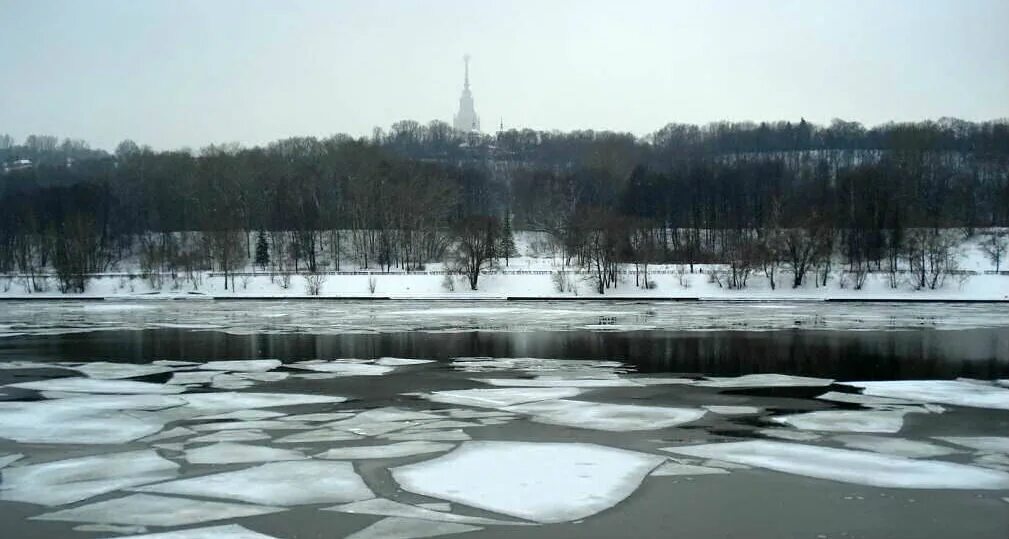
<point x="191" y="72"/>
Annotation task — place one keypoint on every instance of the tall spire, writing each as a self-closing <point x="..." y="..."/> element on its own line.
<point x="466" y="119"/>
<point x="465" y="60"/>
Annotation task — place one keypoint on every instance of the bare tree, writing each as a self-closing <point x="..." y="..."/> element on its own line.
<point x="995" y="246"/>
<point x="476" y="240"/>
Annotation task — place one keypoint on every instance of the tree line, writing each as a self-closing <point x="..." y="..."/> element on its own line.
<point x="774" y="198"/>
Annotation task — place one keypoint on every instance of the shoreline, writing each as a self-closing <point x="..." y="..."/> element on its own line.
<point x="602" y="298"/>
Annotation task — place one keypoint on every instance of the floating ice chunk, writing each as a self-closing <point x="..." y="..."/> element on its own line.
<point x="319" y="417"/>
<point x="230" y="381"/>
<point x="70" y="421"/>
<point x="230" y="531"/>
<point x="241" y="415"/>
<point x="553" y="381"/>
<point x="957" y="393"/>
<point x="319" y="435"/>
<point x="345" y="368"/>
<point x="389" y="414"/>
<point x="174" y="363"/>
<point x="193" y="377"/>
<point x="495" y="420"/>
<point x="996" y="461"/>
<point x="388" y="451"/>
<point x="446" y="424"/>
<point x="277" y="483"/>
<point x="733" y="410"/>
<point x="864" y="400"/>
<point x="264" y="376"/>
<point x="147" y="510"/>
<point x="248" y="365"/>
<point x="436" y="506"/>
<point x="544" y="482"/>
<point x="88" y="385"/>
<point x="73" y="480"/>
<point x="110" y="528"/>
<point x="849" y="466"/>
<point x="266" y="424"/>
<point x="993" y="444"/>
<point x="845" y="421"/>
<point x="499" y="398"/>
<point x="475" y="414"/>
<point x="410" y="528"/>
<point x="675" y="468"/>
<point x="223" y="401"/>
<point x="894" y="446"/>
<point x="370" y="429"/>
<point x="7" y="460"/>
<point x="177" y="447"/>
<point x="793" y="435"/>
<point x="315" y="375"/>
<point x="105" y="370"/>
<point x="400" y="361"/>
<point x="250" y="435"/>
<point x="232" y="453"/>
<point x="169" y="434"/>
<point x="662" y="381"/>
<point x="764" y="380"/>
<point x="384" y="507"/>
<point x="428" y="435"/>
<point x="602" y="416"/>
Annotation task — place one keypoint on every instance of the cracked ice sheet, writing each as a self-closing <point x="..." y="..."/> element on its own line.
<point x="552" y="381"/>
<point x="499" y="398"/>
<point x="543" y="482"/>
<point x="845" y="421"/>
<point x="958" y="393"/>
<point x="230" y="531"/>
<point x="764" y="380"/>
<point x="993" y="444"/>
<point x="410" y="528"/>
<point x="849" y="466"/>
<point x="894" y="446"/>
<point x="277" y="483"/>
<point x="71" y="421"/>
<point x="250" y="435"/>
<point x="345" y="368"/>
<point x="88" y="385"/>
<point x="611" y="417"/>
<point x="223" y="401"/>
<point x="386" y="451"/>
<point x="148" y="510"/>
<point x="384" y="507"/>
<point x="73" y="480"/>
<point x="249" y="365"/>
<point x="319" y="435"/>
<point x="231" y="453"/>
<point x="105" y="370"/>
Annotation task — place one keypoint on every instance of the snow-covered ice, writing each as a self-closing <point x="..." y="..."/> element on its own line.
<point x="241" y="415"/>
<point x="675" y="468"/>
<point x="193" y="377"/>
<point x="764" y="380"/>
<point x="345" y="368"/>
<point x="277" y="483"/>
<point x="410" y="528"/>
<point x="264" y="424"/>
<point x="233" y="453"/>
<point x="105" y="370"/>
<point x="228" y="400"/>
<point x="71" y="421"/>
<point x="849" y="466"/>
<point x="428" y="435"/>
<point x="72" y="480"/>
<point x="845" y="421"/>
<point x="400" y="361"/>
<point x="732" y="410"/>
<point x="318" y="435"/>
<point x="499" y="398"/>
<point x="792" y="435"/>
<point x="387" y="451"/>
<point x="894" y="446"/>
<point x="993" y="444"/>
<point x="319" y="417"/>
<point x="7" y="460"/>
<point x="89" y="385"/>
<point x="250" y="435"/>
<point x="864" y="400"/>
<point x="242" y="365"/>
<point x="553" y="381"/>
<point x="955" y="392"/>
<point x="109" y="528"/>
<point x="148" y="510"/>
<point x="602" y="416"/>
<point x="384" y="507"/>
<point x="543" y="482"/>
<point x="175" y="432"/>
<point x="229" y="531"/>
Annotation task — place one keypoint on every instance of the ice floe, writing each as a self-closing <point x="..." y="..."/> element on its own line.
<point x="410" y="528"/>
<point x="894" y="446"/>
<point x="436" y="506"/>
<point x="764" y="380"/>
<point x="241" y="415"/>
<point x="265" y="424"/>
<point x="110" y="371"/>
<point x="169" y="434"/>
<point x="230" y="381"/>
<point x="850" y="466"/>
<point x="109" y="528"/>
<point x="89" y="385"/>
<point x="7" y="460"/>
<point x="227" y="400"/>
<point x="732" y="410"/>
<point x="845" y="421"/>
<point x="148" y="510"/>
<point x="318" y="435"/>
<point x="993" y="444"/>
<point x="602" y="416"/>
<point x="345" y="368"/>
<point x="192" y="377"/>
<point x="319" y="417"/>
<point x="543" y="482"/>
<point x="245" y="365"/>
<point x="76" y="479"/>
<point x="400" y="361"/>
<point x="387" y="451"/>
<point x="277" y="483"/>
<point x="250" y="435"/>
<point x="384" y="507"/>
<point x="499" y="398"/>
<point x="232" y="453"/>
<point x="792" y="435"/>
<point x="676" y="468"/>
<point x="71" y="421"/>
<point x="864" y="400"/>
<point x="552" y="381"/>
<point x="536" y="366"/>
<point x="955" y="392"/>
<point x="428" y="435"/>
<point x="230" y="531"/>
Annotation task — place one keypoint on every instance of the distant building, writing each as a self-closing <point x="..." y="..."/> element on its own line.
<point x="17" y="165"/>
<point x="466" y="119"/>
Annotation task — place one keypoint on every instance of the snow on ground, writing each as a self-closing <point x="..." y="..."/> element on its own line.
<point x="849" y="466"/>
<point x="542" y="482"/>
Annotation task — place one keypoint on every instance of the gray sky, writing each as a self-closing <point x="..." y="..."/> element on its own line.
<point x="191" y="72"/>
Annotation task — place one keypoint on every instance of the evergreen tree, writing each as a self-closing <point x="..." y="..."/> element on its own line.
<point x="507" y="248"/>
<point x="262" y="251"/>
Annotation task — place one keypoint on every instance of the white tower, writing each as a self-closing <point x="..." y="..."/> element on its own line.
<point x="466" y="119"/>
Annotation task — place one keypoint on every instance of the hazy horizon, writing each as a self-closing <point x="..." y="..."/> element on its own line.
<point x="187" y="73"/>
